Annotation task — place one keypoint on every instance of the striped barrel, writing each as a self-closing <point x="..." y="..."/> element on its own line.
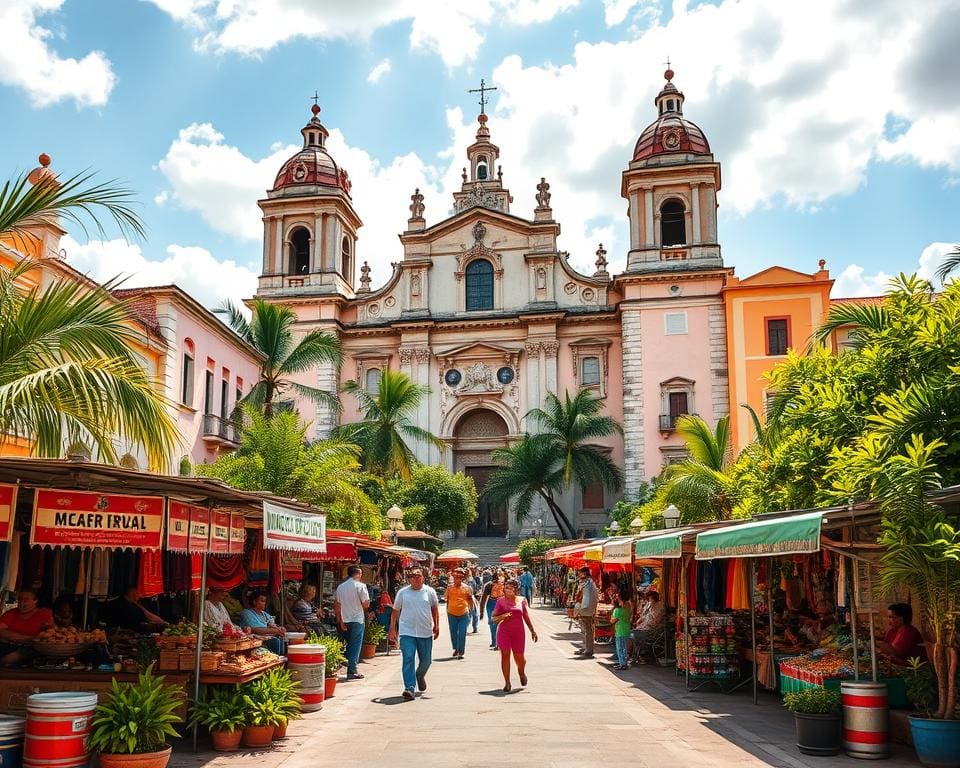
<point x="57" y="730"/>
<point x="307" y="664"/>
<point x="11" y="741"/>
<point x="865" y="728"/>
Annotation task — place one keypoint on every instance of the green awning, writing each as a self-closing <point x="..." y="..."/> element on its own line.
<point x="798" y="534"/>
<point x="666" y="545"/>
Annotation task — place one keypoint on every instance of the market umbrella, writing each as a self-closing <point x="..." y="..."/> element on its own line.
<point x="456" y="555"/>
<point x="510" y="558"/>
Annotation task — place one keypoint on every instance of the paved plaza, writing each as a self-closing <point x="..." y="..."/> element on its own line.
<point x="573" y="713"/>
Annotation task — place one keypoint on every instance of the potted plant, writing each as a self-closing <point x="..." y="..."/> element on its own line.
<point x="132" y="726"/>
<point x="373" y="635"/>
<point x="263" y="715"/>
<point x="925" y="729"/>
<point x="334" y="660"/>
<point x="922" y="555"/>
<point x="224" y="716"/>
<point x="282" y="689"/>
<point x="816" y="713"/>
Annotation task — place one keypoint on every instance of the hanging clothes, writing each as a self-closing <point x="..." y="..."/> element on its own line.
<point x="258" y="567"/>
<point x="693" y="591"/>
<point x="150" y="574"/>
<point x="99" y="570"/>
<point x="80" y="585"/>
<point x="226" y="572"/>
<point x="12" y="568"/>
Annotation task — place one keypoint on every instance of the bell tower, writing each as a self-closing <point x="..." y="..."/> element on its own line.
<point x="671" y="185"/>
<point x="309" y="223"/>
<point x="483" y="183"/>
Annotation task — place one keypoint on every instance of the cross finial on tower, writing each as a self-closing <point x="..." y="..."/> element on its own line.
<point x="482" y="91"/>
<point x="316" y="98"/>
<point x="668" y="74"/>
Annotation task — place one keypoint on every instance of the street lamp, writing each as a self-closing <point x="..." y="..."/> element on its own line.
<point x="636" y="524"/>
<point x="614" y="527"/>
<point x="671" y="517"/>
<point x="395" y="520"/>
<point x="539" y="523"/>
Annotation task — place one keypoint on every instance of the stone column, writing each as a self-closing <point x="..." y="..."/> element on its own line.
<point x="634" y="220"/>
<point x="316" y="251"/>
<point x="648" y="211"/>
<point x="550" y="349"/>
<point x="633" y="435"/>
<point x="711" y="213"/>
<point x="328" y="377"/>
<point x="424" y="452"/>
<point x="719" y="374"/>
<point x="695" y="198"/>
<point x="280" y="267"/>
<point x="533" y="379"/>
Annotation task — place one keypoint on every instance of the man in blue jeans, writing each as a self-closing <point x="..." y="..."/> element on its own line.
<point x="351" y="602"/>
<point x="526" y="586"/>
<point x="416" y="614"/>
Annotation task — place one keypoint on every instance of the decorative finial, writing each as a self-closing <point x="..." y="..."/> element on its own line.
<point x="668" y="75"/>
<point x="365" y="278"/>
<point x="500" y="173"/>
<point x="483" y="99"/>
<point x="601" y="262"/>
<point x="543" y="193"/>
<point x="416" y="205"/>
<point x="822" y="264"/>
<point x="43" y="174"/>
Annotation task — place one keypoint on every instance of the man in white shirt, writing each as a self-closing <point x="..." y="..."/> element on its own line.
<point x="351" y="602"/>
<point x="417" y="614"/>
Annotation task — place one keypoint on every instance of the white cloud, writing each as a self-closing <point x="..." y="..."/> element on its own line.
<point x="189" y="267"/>
<point x="854" y="280"/>
<point x="27" y="60"/>
<point x="161" y="197"/>
<point x="379" y="71"/>
<point x="616" y="11"/>
<point x="451" y="28"/>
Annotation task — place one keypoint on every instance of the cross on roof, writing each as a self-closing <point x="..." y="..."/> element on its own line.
<point x="482" y="91"/>
<point x="316" y="98"/>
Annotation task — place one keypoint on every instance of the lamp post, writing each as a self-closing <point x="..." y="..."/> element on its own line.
<point x="636" y="524"/>
<point x="539" y="523"/>
<point x="614" y="527"/>
<point x="671" y="517"/>
<point x="395" y="520"/>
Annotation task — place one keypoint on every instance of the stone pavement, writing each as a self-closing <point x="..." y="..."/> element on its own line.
<point x="573" y="713"/>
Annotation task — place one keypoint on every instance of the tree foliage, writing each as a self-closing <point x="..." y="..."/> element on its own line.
<point x="535" y="546"/>
<point x="448" y="500"/>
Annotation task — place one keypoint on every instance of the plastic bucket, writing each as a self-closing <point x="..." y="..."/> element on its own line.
<point x="865" y="720"/>
<point x="57" y="729"/>
<point x="307" y="653"/>
<point x="307" y="663"/>
<point x="11" y="741"/>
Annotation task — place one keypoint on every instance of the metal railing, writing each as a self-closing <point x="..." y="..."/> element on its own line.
<point x="226" y="429"/>
<point x="668" y="421"/>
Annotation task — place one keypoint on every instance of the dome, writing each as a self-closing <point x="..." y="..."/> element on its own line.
<point x="312" y="166"/>
<point x="671" y="132"/>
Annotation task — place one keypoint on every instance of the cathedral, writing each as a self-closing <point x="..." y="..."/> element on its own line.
<point x="486" y="310"/>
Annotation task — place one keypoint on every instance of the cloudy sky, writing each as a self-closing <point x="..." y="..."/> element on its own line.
<point x="837" y="123"/>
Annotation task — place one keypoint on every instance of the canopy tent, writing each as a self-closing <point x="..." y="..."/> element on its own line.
<point x="511" y="558"/>
<point x="617" y="550"/>
<point x="570" y="555"/>
<point x="456" y="556"/>
<point x="790" y="535"/>
<point x="594" y="553"/>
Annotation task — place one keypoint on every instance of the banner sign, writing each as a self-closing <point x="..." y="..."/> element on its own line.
<point x="178" y="526"/>
<point x="285" y="528"/>
<point x="220" y="533"/>
<point x="8" y="506"/>
<point x="238" y="534"/>
<point x="85" y="519"/>
<point x="199" y="529"/>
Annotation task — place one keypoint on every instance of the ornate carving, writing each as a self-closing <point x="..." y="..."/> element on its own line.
<point x="479" y="378"/>
<point x="551" y="347"/>
<point x="416" y="205"/>
<point x="481" y="423"/>
<point x="364" y="278"/>
<point x="479" y="197"/>
<point x="533" y="348"/>
<point x="479" y="232"/>
<point x="587" y="294"/>
<point x="464" y="175"/>
<point x="415" y="285"/>
<point x="570" y="289"/>
<point x="601" y="263"/>
<point x="406" y="355"/>
<point x="541" y="278"/>
<point x="478" y="251"/>
<point x="422" y="354"/>
<point x="543" y="194"/>
<point x="373" y="310"/>
<point x="389" y="302"/>
<point x="345" y="184"/>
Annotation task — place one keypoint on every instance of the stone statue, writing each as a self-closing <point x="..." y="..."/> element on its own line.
<point x="416" y="206"/>
<point x="543" y="193"/>
<point x="365" y="278"/>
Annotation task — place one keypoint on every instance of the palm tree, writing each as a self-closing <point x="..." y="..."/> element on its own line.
<point x="566" y="425"/>
<point x="387" y="425"/>
<point x="527" y="470"/>
<point x="701" y="483"/>
<point x="270" y="330"/>
<point x="951" y="261"/>
<point x="67" y="371"/>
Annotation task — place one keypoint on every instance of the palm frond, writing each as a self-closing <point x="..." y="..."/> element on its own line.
<point x="236" y="320"/>
<point x="872" y="317"/>
<point x="950" y="262"/>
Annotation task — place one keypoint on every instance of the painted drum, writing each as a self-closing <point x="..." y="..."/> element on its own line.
<point x="865" y="719"/>
<point x="307" y="663"/>
<point x="57" y="730"/>
<point x="11" y="741"/>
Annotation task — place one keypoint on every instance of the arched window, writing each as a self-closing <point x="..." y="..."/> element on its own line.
<point x="479" y="285"/>
<point x="346" y="261"/>
<point x="482" y="168"/>
<point x="673" y="229"/>
<point x="373" y="381"/>
<point x="589" y="371"/>
<point x="300" y="252"/>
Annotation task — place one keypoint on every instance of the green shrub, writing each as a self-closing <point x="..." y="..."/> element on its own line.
<point x="336" y="652"/>
<point x="137" y="718"/>
<point x="222" y="711"/>
<point x="813" y="701"/>
<point x="374" y="633"/>
<point x="918" y="681"/>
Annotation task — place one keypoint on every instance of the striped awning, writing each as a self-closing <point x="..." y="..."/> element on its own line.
<point x="663" y="546"/>
<point x="790" y="535"/>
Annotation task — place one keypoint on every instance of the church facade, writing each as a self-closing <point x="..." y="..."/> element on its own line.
<point x="485" y="309"/>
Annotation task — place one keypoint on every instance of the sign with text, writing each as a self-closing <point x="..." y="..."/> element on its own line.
<point x="199" y="530"/>
<point x="220" y="533"/>
<point x="85" y="519"/>
<point x="238" y="534"/>
<point x="8" y="507"/>
<point x="178" y="526"/>
<point x="285" y="528"/>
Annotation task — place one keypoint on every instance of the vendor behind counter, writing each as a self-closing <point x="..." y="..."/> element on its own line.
<point x="126" y="613"/>
<point x="20" y="625"/>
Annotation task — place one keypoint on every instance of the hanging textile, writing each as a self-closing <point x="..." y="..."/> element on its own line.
<point x="225" y="572"/>
<point x="150" y="573"/>
<point x="12" y="568"/>
<point x="739" y="585"/>
<point x="196" y="569"/>
<point x="80" y="585"/>
<point x="692" y="590"/>
<point x="177" y="571"/>
<point x="258" y="568"/>
<point x="276" y="571"/>
<point x="99" y="569"/>
<point x="841" y="582"/>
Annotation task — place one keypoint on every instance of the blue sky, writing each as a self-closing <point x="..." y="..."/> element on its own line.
<point x="837" y="123"/>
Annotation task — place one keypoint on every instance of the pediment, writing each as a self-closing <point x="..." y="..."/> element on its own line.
<point x="478" y="350"/>
<point x="776" y="276"/>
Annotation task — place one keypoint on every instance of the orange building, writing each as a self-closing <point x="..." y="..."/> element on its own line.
<point x="767" y="314"/>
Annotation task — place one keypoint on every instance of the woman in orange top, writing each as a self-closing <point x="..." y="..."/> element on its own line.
<point x="459" y="599"/>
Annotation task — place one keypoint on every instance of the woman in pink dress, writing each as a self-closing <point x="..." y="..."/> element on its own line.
<point x="510" y="614"/>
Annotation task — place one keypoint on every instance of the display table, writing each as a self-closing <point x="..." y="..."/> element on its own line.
<point x="218" y="678"/>
<point x="797" y="680"/>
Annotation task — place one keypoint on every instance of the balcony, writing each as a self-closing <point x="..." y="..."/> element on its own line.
<point x="668" y="421"/>
<point x="222" y="431"/>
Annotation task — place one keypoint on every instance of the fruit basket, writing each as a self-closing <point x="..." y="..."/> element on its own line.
<point x="59" y="650"/>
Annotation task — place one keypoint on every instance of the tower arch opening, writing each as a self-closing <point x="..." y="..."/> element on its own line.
<point x="299" y="251"/>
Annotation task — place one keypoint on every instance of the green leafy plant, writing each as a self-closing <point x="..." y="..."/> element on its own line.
<point x="336" y="653"/>
<point x="813" y="701"/>
<point x="223" y="711"/>
<point x="374" y="633"/>
<point x="918" y="680"/>
<point x="282" y="689"/>
<point x="137" y="718"/>
<point x="260" y="703"/>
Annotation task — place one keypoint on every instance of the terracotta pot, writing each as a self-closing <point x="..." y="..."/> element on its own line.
<point x="257" y="735"/>
<point x="368" y="651"/>
<point x="329" y="686"/>
<point x="226" y="741"/>
<point x="144" y="760"/>
<point x="280" y="732"/>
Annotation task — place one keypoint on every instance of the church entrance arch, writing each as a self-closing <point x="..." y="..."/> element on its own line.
<point x="477" y="433"/>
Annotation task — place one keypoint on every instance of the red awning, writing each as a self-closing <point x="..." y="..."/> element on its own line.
<point x="336" y="551"/>
<point x="510" y="557"/>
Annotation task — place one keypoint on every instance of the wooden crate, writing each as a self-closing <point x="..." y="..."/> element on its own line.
<point x="169" y="661"/>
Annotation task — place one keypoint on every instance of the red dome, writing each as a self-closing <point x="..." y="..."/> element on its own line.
<point x="311" y="166"/>
<point x="671" y="134"/>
